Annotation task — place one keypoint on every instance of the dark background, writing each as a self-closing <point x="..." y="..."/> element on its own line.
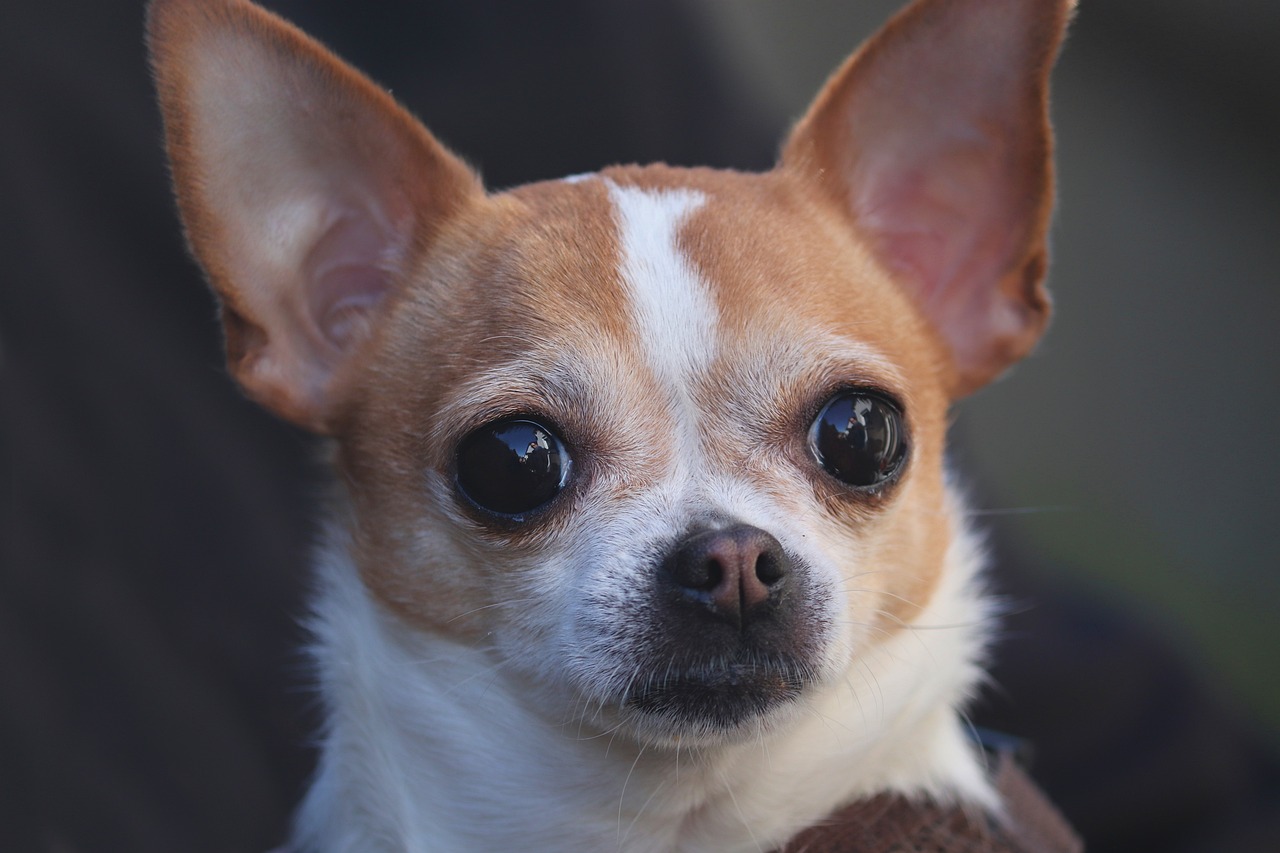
<point x="154" y="526"/>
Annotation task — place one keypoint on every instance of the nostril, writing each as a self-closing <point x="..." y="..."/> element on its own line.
<point x="769" y="568"/>
<point x="701" y="575"/>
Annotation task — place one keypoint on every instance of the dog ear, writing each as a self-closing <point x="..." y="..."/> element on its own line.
<point x="934" y="137"/>
<point x="304" y="188"/>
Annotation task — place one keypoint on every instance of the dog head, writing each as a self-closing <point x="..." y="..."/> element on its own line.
<point x="669" y="442"/>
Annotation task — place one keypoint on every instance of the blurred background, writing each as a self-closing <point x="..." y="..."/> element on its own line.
<point x="154" y="526"/>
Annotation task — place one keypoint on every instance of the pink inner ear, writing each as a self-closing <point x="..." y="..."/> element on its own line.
<point x="944" y="222"/>
<point x="348" y="274"/>
<point x="936" y="137"/>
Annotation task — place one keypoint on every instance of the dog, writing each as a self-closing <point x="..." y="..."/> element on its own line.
<point x="643" y="537"/>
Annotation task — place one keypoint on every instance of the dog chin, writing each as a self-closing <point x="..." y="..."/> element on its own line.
<point x="710" y="705"/>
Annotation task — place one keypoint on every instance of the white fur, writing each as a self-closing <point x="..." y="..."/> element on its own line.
<point x="431" y="745"/>
<point x="673" y="310"/>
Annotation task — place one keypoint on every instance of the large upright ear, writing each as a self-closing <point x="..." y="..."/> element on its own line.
<point x="305" y="190"/>
<point x="935" y="139"/>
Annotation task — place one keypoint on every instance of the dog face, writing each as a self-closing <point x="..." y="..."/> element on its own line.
<point x="667" y="442"/>
<point x="731" y="476"/>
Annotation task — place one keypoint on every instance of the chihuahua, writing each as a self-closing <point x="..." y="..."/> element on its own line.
<point x="643" y="537"/>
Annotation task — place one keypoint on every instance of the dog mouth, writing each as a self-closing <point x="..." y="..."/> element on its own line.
<point x="731" y="632"/>
<point x="718" y="698"/>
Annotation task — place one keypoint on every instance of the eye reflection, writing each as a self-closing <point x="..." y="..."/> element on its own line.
<point x="858" y="439"/>
<point x="511" y="467"/>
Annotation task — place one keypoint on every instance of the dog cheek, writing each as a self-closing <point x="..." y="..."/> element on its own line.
<point x="905" y="558"/>
<point x="533" y="606"/>
<point x="607" y="624"/>
<point x="422" y="577"/>
<point x="411" y="551"/>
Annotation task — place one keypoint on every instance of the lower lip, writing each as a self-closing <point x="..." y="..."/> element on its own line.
<point x="723" y="699"/>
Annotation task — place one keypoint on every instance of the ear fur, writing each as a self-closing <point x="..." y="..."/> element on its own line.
<point x="305" y="191"/>
<point x="934" y="138"/>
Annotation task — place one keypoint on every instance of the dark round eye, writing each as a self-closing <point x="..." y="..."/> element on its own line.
<point x="858" y="438"/>
<point x="512" y="466"/>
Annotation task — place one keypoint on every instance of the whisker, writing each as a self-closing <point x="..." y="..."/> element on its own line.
<point x="645" y="805"/>
<point x="1019" y="510"/>
<point x="623" y="795"/>
<point x="728" y="786"/>
<point x="509" y="602"/>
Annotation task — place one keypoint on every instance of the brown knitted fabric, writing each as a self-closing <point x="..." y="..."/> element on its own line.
<point x="895" y="824"/>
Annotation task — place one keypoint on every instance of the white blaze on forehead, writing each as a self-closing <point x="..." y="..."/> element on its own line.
<point x="671" y="306"/>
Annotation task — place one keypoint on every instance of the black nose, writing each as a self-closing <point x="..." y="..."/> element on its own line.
<point x="737" y="573"/>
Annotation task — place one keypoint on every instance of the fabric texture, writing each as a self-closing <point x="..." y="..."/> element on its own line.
<point x="896" y="824"/>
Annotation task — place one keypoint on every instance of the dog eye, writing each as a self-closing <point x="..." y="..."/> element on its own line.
<point x="512" y="466"/>
<point x="858" y="438"/>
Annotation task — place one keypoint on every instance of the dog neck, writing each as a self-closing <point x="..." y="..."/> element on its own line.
<point x="434" y="745"/>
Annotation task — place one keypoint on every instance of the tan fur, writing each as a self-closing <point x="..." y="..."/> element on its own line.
<point x="549" y="285"/>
